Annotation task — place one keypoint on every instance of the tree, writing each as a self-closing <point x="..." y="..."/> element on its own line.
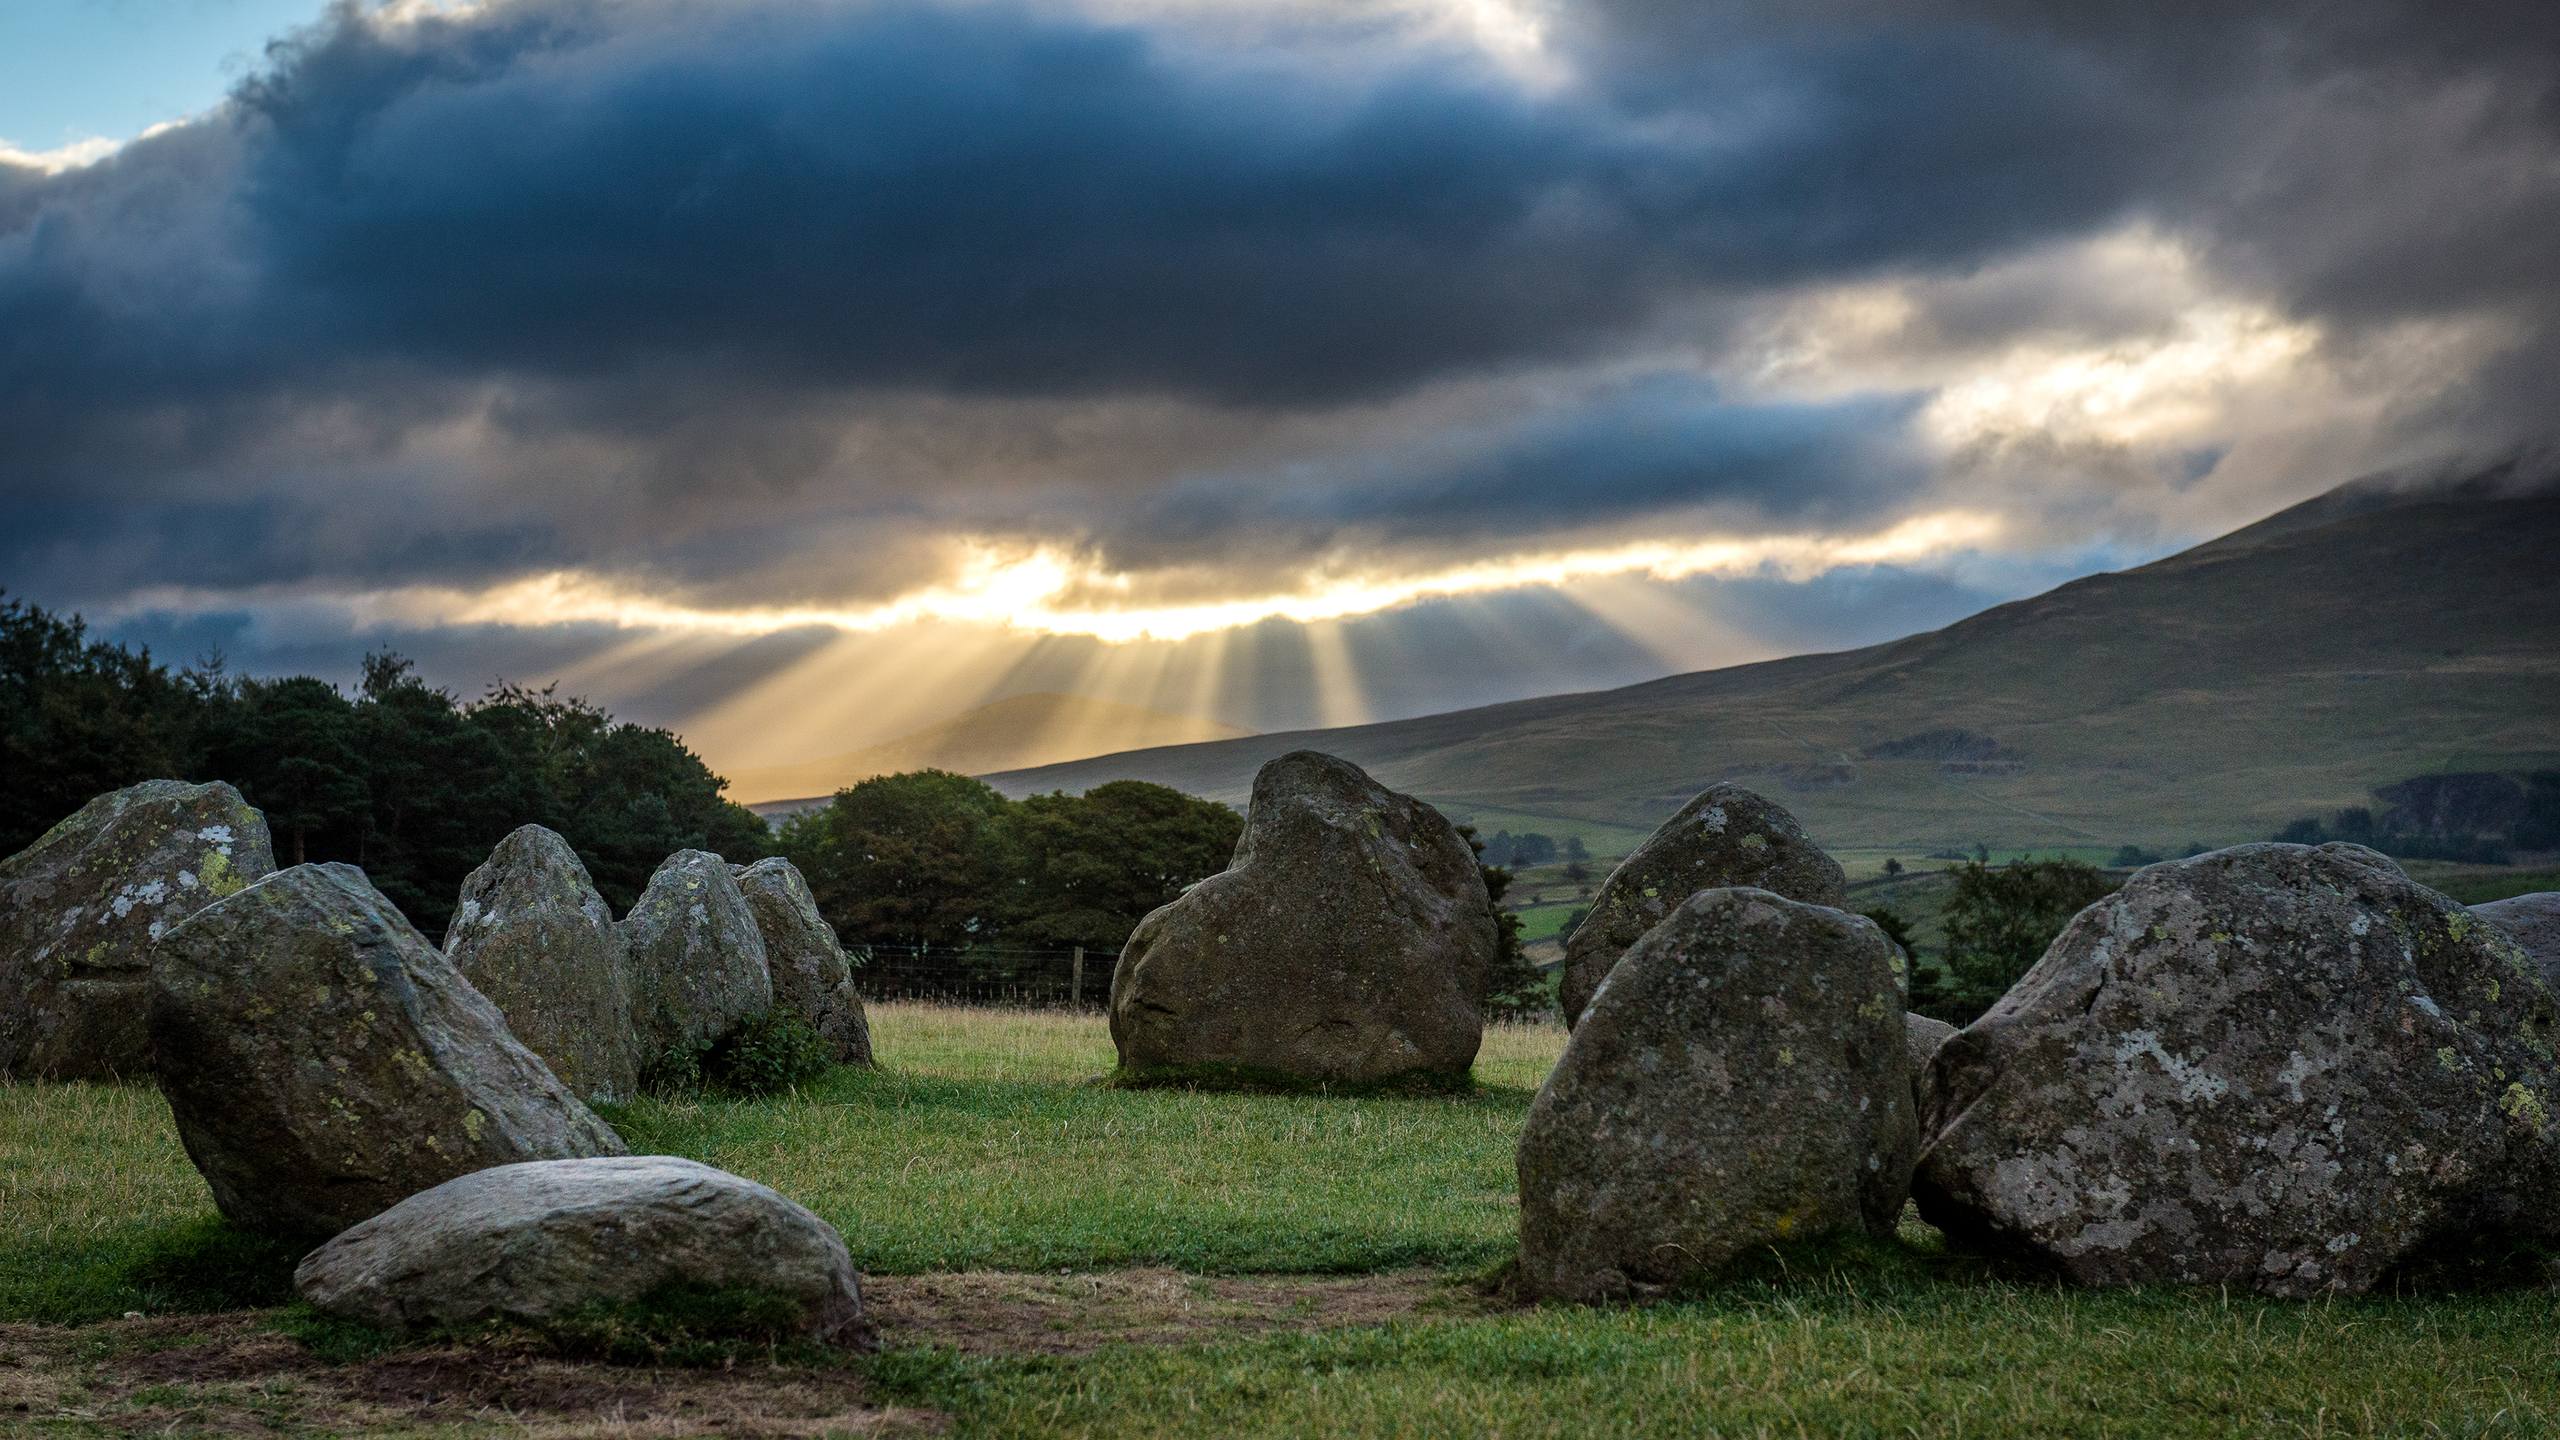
<point x="1892" y="866"/>
<point x="917" y="859"/>
<point x="1513" y="986"/>
<point x="1998" y="923"/>
<point x="1575" y="850"/>
<point x="1092" y="866"/>
<point x="2133" y="857"/>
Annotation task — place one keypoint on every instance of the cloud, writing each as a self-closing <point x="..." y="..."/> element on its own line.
<point x="785" y="304"/>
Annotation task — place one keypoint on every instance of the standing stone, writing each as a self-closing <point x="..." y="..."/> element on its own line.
<point x="811" y="978"/>
<point x="532" y="934"/>
<point x="1925" y="1036"/>
<point x="324" y="1062"/>
<point x="1726" y="836"/>
<point x="537" y="1241"/>
<point x="2273" y="1066"/>
<point x="1347" y="943"/>
<point x="1742" y="1079"/>
<point x="2534" y="922"/>
<point x="698" y="967"/>
<point x="81" y="910"/>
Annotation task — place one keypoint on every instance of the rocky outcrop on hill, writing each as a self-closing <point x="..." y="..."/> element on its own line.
<point x="1348" y="944"/>
<point x="83" y="907"/>
<point x="1725" y="836"/>
<point x="324" y="1062"/>
<point x="1743" y="1079"/>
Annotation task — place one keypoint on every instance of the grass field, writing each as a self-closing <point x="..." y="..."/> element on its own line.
<point x="1052" y="1257"/>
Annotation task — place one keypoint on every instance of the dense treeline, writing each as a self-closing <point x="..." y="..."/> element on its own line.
<point x="400" y="778"/>
<point x="934" y="860"/>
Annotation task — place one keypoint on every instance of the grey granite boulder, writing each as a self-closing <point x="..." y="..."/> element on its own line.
<point x="1925" y="1036"/>
<point x="2273" y="1066"/>
<point x="1742" y="1079"/>
<point x="531" y="933"/>
<point x="698" y="967"/>
<point x="81" y="909"/>
<point x="324" y="1062"/>
<point x="811" y="978"/>
<point x="2534" y="922"/>
<point x="540" y="1241"/>
<point x="1725" y="836"/>
<point x="1348" y="943"/>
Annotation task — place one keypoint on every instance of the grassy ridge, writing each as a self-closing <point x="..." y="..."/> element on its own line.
<point x="2282" y="670"/>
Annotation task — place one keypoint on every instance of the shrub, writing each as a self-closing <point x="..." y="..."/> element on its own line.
<point x="767" y="1055"/>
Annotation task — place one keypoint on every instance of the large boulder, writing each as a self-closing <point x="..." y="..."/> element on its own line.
<point x="1726" y="836"/>
<point x="539" y="1241"/>
<point x="698" y="968"/>
<point x="324" y="1062"/>
<point x="81" y="909"/>
<point x="1347" y="944"/>
<point x="2534" y="922"/>
<point x="532" y="934"/>
<point x="1742" y="1079"/>
<point x="811" y="978"/>
<point x="2274" y="1066"/>
<point x="1925" y="1036"/>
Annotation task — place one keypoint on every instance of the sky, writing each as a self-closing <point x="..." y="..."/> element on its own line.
<point x="798" y="372"/>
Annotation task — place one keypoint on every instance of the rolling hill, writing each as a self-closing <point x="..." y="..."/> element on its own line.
<point x="1006" y="734"/>
<point x="2359" y="638"/>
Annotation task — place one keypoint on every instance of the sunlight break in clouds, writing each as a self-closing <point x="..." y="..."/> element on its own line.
<point x="1036" y="590"/>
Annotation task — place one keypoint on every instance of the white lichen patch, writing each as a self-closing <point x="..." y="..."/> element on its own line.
<point x="2194" y="1082"/>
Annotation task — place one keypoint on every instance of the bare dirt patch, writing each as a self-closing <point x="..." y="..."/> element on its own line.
<point x="1009" y="1313"/>
<point x="235" y="1374"/>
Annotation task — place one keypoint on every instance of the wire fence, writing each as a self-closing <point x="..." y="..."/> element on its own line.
<point x="1017" y="976"/>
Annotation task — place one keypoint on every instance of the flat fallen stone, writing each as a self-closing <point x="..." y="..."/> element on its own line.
<point x="545" y="1240"/>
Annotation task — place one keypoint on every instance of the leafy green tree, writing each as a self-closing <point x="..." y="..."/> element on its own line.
<point x="80" y="717"/>
<point x="1998" y="922"/>
<point x="294" y="749"/>
<point x="1575" y="850"/>
<point x="1091" y="866"/>
<point x="915" y="859"/>
<point x="1513" y="986"/>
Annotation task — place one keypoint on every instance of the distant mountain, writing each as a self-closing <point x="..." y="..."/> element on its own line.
<point x="2357" y="639"/>
<point x="1007" y="734"/>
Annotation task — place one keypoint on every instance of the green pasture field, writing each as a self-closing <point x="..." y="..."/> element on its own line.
<point x="1054" y="1257"/>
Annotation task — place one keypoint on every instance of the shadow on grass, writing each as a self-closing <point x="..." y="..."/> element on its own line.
<point x="207" y="1265"/>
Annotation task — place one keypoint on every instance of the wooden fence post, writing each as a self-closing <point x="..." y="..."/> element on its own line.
<point x="1075" y="982"/>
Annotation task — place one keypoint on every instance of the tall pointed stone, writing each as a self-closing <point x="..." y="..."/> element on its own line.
<point x="532" y="934"/>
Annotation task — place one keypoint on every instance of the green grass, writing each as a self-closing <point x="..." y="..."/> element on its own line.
<point x="981" y="1143"/>
<point x="1819" y="1358"/>
<point x="984" y="1143"/>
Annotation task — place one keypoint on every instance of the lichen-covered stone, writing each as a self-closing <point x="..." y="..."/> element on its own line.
<point x="324" y="1062"/>
<point x="811" y="978"/>
<point x="543" y="1240"/>
<point x="80" y="911"/>
<point x="531" y="933"/>
<point x="1347" y="944"/>
<point x="1726" y="836"/>
<point x="2274" y="1066"/>
<point x="1925" y="1036"/>
<point x="2534" y="921"/>
<point x="1742" y="1079"/>
<point x="697" y="962"/>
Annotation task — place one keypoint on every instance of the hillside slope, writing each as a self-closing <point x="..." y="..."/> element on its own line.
<point x="1006" y="734"/>
<point x="2353" y="640"/>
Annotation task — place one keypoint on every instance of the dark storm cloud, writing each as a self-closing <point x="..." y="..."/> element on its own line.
<point x="1656" y="445"/>
<point x="573" y="283"/>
